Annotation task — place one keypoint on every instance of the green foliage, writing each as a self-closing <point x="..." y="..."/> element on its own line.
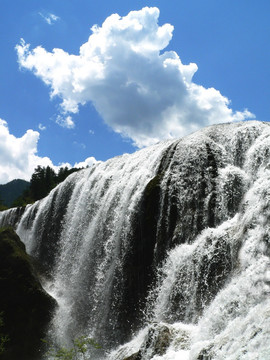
<point x="64" y="172"/>
<point x="18" y="193"/>
<point x="23" y="200"/>
<point x="3" y="338"/>
<point x="62" y="353"/>
<point x="82" y="343"/>
<point x="10" y="191"/>
<point x="43" y="180"/>
<point x="2" y="207"/>
<point x="78" y="351"/>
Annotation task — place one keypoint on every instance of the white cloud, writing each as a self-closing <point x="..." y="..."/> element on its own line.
<point x="79" y="145"/>
<point x="41" y="127"/>
<point x="65" y="121"/>
<point x="49" y="18"/>
<point x="141" y="91"/>
<point x="87" y="162"/>
<point x="18" y="156"/>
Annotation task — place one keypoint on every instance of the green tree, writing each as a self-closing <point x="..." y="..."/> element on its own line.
<point x="76" y="352"/>
<point x="43" y="180"/>
<point x="62" y="174"/>
<point x="37" y="183"/>
<point x="50" y="179"/>
<point x="3" y="338"/>
<point x="24" y="199"/>
<point x="2" y="206"/>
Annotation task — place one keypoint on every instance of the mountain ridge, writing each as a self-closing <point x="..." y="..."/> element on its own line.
<point x="10" y="191"/>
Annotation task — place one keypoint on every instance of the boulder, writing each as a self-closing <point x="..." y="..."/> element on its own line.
<point x="25" y="306"/>
<point x="157" y="341"/>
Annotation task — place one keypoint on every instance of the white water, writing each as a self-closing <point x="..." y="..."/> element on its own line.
<point x="99" y="211"/>
<point x="210" y="296"/>
<point x="236" y="323"/>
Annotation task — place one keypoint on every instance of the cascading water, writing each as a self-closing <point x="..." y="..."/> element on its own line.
<point x="167" y="248"/>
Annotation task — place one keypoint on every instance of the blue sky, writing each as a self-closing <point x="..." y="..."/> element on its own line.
<point x="162" y="71"/>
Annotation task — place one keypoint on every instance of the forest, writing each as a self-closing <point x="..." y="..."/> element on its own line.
<point x="42" y="181"/>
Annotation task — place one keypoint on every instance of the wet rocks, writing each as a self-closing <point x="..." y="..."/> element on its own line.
<point x="25" y="306"/>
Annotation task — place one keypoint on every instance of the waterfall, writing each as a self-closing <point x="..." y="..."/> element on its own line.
<point x="162" y="254"/>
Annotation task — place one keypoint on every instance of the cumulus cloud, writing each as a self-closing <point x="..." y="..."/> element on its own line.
<point x="90" y="161"/>
<point x="18" y="156"/>
<point x="140" y="90"/>
<point x="49" y="18"/>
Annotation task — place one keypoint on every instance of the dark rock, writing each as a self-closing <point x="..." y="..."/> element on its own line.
<point x="26" y="307"/>
<point x="133" y="357"/>
<point x="161" y="340"/>
<point x="205" y="354"/>
<point x="157" y="341"/>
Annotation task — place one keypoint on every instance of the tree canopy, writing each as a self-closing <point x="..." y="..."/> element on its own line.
<point x="43" y="180"/>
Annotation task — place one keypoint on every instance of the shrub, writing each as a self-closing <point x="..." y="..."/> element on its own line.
<point x="76" y="352"/>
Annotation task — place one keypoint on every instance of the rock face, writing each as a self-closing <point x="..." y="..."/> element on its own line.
<point x="158" y="340"/>
<point x="26" y="308"/>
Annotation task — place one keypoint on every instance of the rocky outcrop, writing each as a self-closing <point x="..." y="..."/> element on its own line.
<point x="156" y="342"/>
<point x="158" y="339"/>
<point x="25" y="306"/>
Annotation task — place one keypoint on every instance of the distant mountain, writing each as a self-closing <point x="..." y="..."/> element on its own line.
<point x="12" y="190"/>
